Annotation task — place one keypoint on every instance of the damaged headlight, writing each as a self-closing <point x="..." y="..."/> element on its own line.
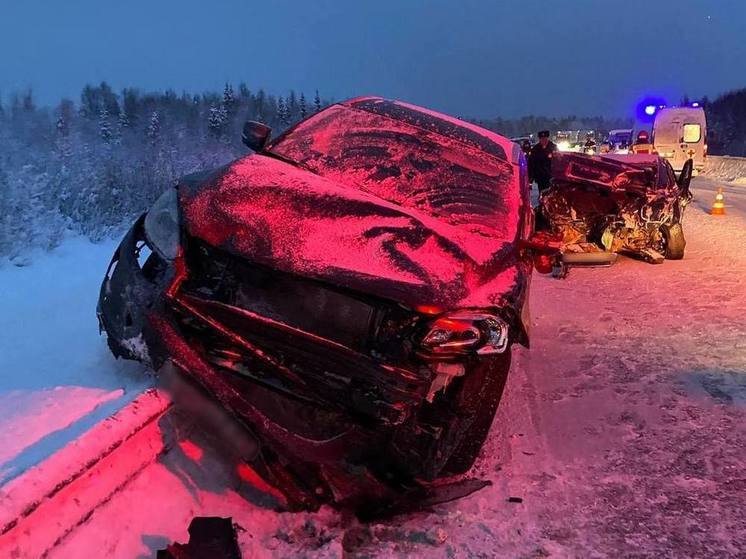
<point x="162" y="225"/>
<point x="466" y="332"/>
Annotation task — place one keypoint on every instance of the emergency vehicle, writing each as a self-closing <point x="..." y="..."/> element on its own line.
<point x="680" y="133"/>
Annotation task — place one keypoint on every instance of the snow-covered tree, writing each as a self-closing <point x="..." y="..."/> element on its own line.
<point x="229" y="99"/>
<point x="28" y="101"/>
<point x="216" y="120"/>
<point x="123" y="121"/>
<point x="6" y="214"/>
<point x="292" y="106"/>
<point x="302" y="106"/>
<point x="104" y="126"/>
<point x="282" y="111"/>
<point x="317" y="102"/>
<point x="154" y="128"/>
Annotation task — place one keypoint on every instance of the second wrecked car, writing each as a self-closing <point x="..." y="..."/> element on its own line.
<point x="632" y="204"/>
<point x="349" y="292"/>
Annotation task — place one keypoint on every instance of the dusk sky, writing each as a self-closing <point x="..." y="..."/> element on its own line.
<point x="472" y="58"/>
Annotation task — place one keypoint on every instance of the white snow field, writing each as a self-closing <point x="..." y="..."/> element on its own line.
<point x="622" y="431"/>
<point x="57" y="377"/>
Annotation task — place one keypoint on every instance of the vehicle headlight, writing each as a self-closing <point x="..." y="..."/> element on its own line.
<point x="162" y="225"/>
<point x="466" y="332"/>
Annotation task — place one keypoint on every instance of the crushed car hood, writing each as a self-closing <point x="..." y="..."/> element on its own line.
<point x="276" y="214"/>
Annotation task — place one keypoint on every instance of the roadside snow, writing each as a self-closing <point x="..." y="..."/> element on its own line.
<point x="57" y="378"/>
<point x="732" y="169"/>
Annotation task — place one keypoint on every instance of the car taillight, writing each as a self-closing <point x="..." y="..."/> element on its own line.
<point x="465" y="332"/>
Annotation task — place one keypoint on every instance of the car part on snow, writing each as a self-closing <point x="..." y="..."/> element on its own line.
<point x="589" y="258"/>
<point x="349" y="295"/>
<point x="209" y="537"/>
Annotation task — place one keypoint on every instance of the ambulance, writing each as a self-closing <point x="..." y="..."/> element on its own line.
<point x="680" y="133"/>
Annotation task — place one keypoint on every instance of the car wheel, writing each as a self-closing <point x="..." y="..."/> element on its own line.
<point x="484" y="402"/>
<point x="673" y="237"/>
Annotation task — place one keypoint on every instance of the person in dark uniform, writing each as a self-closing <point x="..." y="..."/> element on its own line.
<point x="540" y="161"/>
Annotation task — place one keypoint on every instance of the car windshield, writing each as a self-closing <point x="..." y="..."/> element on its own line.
<point x="407" y="164"/>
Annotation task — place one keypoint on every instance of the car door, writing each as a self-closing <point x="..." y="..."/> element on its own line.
<point x="691" y="145"/>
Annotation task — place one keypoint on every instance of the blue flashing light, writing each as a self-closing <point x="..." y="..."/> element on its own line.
<point x="648" y="108"/>
<point x="695" y="105"/>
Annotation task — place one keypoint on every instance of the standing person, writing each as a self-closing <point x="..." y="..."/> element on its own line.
<point x="540" y="161"/>
<point x="642" y="143"/>
<point x="526" y="147"/>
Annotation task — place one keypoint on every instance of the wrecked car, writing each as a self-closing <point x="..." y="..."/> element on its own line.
<point x="349" y="291"/>
<point x="630" y="204"/>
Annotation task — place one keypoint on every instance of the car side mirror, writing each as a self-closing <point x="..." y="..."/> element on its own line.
<point x="255" y="135"/>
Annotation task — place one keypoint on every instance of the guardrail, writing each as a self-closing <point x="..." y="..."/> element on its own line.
<point x="725" y="167"/>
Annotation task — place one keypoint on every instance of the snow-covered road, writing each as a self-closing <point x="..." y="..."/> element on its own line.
<point x="622" y="431"/>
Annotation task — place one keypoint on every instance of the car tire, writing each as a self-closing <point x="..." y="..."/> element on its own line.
<point x="675" y="242"/>
<point x="485" y="403"/>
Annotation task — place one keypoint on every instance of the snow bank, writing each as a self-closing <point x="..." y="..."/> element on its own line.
<point x="726" y="168"/>
<point x="57" y="378"/>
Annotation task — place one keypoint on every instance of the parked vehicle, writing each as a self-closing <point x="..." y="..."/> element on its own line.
<point x="567" y="140"/>
<point x="680" y="134"/>
<point x="620" y="140"/>
<point x="631" y="204"/>
<point x="350" y="292"/>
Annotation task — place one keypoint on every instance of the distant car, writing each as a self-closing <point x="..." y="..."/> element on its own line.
<point x="350" y="292"/>
<point x="620" y="140"/>
<point x="632" y="204"/>
<point x="567" y="140"/>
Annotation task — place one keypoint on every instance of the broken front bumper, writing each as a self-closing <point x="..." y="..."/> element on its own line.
<point x="131" y="289"/>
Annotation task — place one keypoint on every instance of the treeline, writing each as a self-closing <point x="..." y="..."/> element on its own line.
<point x="519" y="127"/>
<point x="92" y="165"/>
<point x="726" y="124"/>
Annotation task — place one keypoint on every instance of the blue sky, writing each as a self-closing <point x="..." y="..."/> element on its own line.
<point x="466" y="57"/>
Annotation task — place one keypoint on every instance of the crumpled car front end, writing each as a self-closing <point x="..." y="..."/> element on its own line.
<point x="365" y="344"/>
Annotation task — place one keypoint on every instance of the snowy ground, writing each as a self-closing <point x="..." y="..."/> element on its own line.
<point x="730" y="169"/>
<point x="57" y="378"/>
<point x="622" y="429"/>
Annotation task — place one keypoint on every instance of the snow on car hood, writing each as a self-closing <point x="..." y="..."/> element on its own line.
<point x="276" y="214"/>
